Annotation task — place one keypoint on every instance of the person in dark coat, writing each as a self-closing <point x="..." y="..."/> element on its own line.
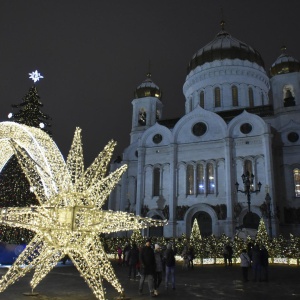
<point x="158" y="268"/>
<point x="250" y="246"/>
<point x="147" y="260"/>
<point x="264" y="263"/>
<point x="225" y="255"/>
<point x="191" y="256"/>
<point x="133" y="259"/>
<point x="230" y="254"/>
<point x="125" y="254"/>
<point x="256" y="263"/>
<point x="170" y="266"/>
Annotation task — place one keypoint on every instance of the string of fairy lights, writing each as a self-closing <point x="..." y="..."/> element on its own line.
<point x="69" y="218"/>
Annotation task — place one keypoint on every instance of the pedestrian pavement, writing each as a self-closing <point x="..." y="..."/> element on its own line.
<point x="203" y="282"/>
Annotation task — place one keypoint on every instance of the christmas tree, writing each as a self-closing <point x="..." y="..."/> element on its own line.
<point x="29" y="111"/>
<point x="196" y="240"/>
<point x="238" y="245"/>
<point x="294" y="247"/>
<point x="14" y="186"/>
<point x="137" y="237"/>
<point x="262" y="237"/>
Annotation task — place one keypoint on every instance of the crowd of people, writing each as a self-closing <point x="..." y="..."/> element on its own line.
<point x="150" y="264"/>
<point x="257" y="258"/>
<point x="154" y="264"/>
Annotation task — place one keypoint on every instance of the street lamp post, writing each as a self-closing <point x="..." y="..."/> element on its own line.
<point x="248" y="181"/>
<point x="268" y="202"/>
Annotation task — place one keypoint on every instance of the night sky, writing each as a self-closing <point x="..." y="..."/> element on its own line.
<point x="93" y="54"/>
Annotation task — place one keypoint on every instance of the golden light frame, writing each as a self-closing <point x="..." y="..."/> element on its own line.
<point x="69" y="217"/>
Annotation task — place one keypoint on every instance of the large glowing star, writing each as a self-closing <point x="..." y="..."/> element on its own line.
<point x="35" y="76"/>
<point x="69" y="219"/>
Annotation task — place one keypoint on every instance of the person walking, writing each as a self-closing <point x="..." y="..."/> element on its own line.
<point x="245" y="263"/>
<point x="184" y="256"/>
<point x="147" y="260"/>
<point x="119" y="251"/>
<point x="225" y="255"/>
<point x="126" y="250"/>
<point x="133" y="259"/>
<point x="158" y="268"/>
<point x="230" y="254"/>
<point x="170" y="266"/>
<point x="264" y="263"/>
<point x="256" y="263"/>
<point x="191" y="256"/>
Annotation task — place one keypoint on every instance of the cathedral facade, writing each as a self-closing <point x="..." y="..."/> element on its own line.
<point x="231" y="159"/>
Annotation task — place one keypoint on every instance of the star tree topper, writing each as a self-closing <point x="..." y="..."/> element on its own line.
<point x="35" y="76"/>
<point x="69" y="219"/>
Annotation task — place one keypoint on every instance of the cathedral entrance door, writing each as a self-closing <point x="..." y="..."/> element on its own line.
<point x="156" y="231"/>
<point x="251" y="220"/>
<point x="204" y="222"/>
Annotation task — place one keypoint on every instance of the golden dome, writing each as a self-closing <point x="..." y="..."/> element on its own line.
<point x="284" y="64"/>
<point x="148" y="89"/>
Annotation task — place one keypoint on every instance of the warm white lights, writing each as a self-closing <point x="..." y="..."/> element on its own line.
<point x="69" y="219"/>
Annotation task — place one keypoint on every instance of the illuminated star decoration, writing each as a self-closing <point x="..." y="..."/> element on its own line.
<point x="35" y="76"/>
<point x="69" y="219"/>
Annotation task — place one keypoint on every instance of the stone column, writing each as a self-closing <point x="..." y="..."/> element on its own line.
<point x="170" y="229"/>
<point x="269" y="175"/>
<point x="230" y="196"/>
<point x="140" y="180"/>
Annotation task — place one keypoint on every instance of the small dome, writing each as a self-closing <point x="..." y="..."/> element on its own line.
<point x="224" y="46"/>
<point x="148" y="89"/>
<point x="284" y="64"/>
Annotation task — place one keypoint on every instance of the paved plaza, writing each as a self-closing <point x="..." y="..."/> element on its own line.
<point x="203" y="282"/>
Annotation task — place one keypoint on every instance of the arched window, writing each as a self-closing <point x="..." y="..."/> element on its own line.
<point x="200" y="179"/>
<point x="248" y="169"/>
<point x="202" y="99"/>
<point x="210" y="188"/>
<point x="288" y="96"/>
<point x="297" y="182"/>
<point x="251" y="99"/>
<point x="248" y="166"/>
<point x="142" y="117"/>
<point x="235" y="97"/>
<point x="217" y="97"/>
<point x="157" y="114"/>
<point x="156" y="181"/>
<point x="190" y="180"/>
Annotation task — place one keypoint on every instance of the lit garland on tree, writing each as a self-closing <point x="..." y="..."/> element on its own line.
<point x="294" y="249"/>
<point x="211" y="246"/>
<point x="238" y="246"/>
<point x="29" y="111"/>
<point x="262" y="237"/>
<point x="69" y="219"/>
<point x="14" y="186"/>
<point x="137" y="237"/>
<point x="222" y="241"/>
<point x="196" y="240"/>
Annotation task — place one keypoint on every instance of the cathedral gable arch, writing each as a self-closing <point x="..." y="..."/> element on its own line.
<point x="256" y="214"/>
<point x="214" y="127"/>
<point x="155" y="213"/>
<point x="201" y="207"/>
<point x="149" y="137"/>
<point x="256" y="125"/>
<point x="130" y="152"/>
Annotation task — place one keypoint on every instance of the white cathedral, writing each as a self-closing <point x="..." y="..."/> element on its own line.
<point x="230" y="160"/>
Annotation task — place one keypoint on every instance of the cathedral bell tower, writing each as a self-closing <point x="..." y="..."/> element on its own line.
<point x="147" y="107"/>
<point x="285" y="82"/>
